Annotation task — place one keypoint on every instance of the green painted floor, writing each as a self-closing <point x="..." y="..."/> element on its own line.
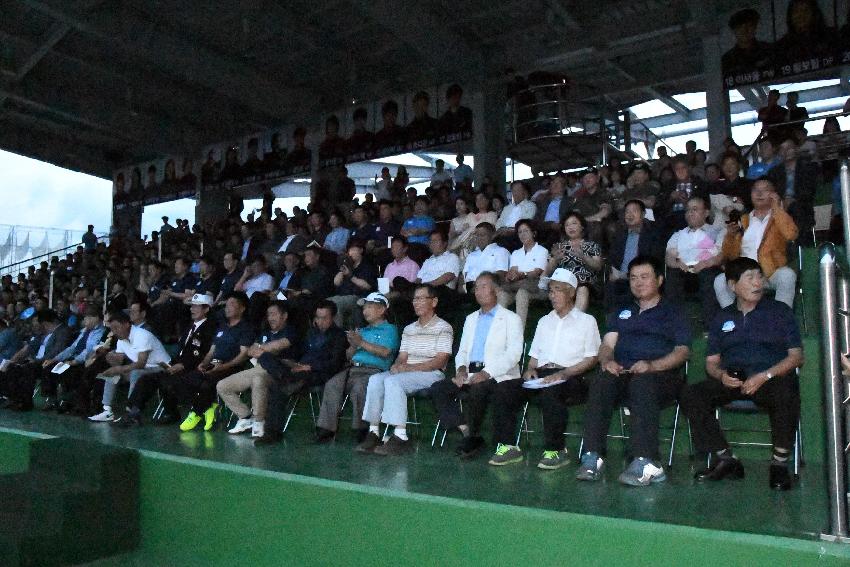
<point x="742" y="506"/>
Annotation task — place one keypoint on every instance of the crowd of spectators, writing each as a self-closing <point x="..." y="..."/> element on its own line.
<point x="360" y="296"/>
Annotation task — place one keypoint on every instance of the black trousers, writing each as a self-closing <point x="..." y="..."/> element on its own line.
<point x="674" y="289"/>
<point x="506" y="398"/>
<point x="69" y="380"/>
<point x="282" y="388"/>
<point x="554" y="406"/>
<point x="89" y="387"/>
<point x="192" y="388"/>
<point x="644" y="394"/>
<point x="780" y="396"/>
<point x="148" y="385"/>
<point x="20" y="381"/>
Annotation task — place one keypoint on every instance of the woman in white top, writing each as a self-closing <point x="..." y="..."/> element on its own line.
<point x="463" y="226"/>
<point x="527" y="265"/>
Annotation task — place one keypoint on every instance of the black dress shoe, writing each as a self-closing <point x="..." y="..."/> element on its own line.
<point x="780" y="478"/>
<point x="128" y="420"/>
<point x="360" y="434"/>
<point x="324" y="435"/>
<point x="470" y="447"/>
<point x="728" y="467"/>
<point x="167" y="419"/>
<point x="268" y="438"/>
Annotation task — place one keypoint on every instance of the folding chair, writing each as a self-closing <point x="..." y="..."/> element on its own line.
<point x="312" y="395"/>
<point x="624" y="411"/>
<point x="750" y="407"/>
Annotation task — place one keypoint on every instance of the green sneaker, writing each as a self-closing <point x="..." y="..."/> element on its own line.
<point x="506" y="455"/>
<point x="553" y="460"/>
<point x="191" y="422"/>
<point x="209" y="417"/>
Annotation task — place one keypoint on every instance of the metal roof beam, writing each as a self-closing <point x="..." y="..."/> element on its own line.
<point x="680" y="108"/>
<point x="180" y="57"/>
<point x="753" y="97"/>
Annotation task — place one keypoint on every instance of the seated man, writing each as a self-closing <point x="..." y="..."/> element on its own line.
<point x="372" y="350"/>
<point x="255" y="278"/>
<point x="402" y="266"/>
<point x="228" y="355"/>
<point x="519" y="208"/>
<point x="194" y="345"/>
<point x="273" y="345"/>
<point x="426" y="345"/>
<point x="641" y="236"/>
<point x="487" y="367"/>
<point x="316" y="284"/>
<point x="441" y="270"/>
<point x="694" y="253"/>
<point x="49" y="340"/>
<point x="641" y="359"/>
<point x="357" y="276"/>
<point x="565" y="347"/>
<point x="323" y="356"/>
<point x="593" y="202"/>
<point x="75" y="356"/>
<point x="144" y="351"/>
<point x="487" y="256"/>
<point x="763" y="235"/>
<point x="753" y="349"/>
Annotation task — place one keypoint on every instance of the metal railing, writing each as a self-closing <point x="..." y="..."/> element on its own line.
<point x="33" y="260"/>
<point x="835" y="338"/>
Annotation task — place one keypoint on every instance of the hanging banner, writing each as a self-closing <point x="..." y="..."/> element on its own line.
<point x="776" y="41"/>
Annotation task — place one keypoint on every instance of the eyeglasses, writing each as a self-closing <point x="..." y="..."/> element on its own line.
<point x="422" y="297"/>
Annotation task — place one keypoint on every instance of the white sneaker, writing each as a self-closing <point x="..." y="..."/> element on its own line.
<point x="242" y="426"/>
<point x="258" y="429"/>
<point x="105" y="415"/>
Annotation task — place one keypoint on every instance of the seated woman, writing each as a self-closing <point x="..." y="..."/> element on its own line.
<point x="582" y="257"/>
<point x="463" y="226"/>
<point x="528" y="262"/>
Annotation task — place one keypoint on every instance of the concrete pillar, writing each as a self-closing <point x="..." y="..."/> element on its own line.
<point x="488" y="139"/>
<point x="716" y="97"/>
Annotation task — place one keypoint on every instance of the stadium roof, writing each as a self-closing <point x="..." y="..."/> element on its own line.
<point x="94" y="84"/>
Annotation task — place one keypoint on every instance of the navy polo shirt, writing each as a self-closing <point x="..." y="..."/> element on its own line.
<point x="756" y="341"/>
<point x="179" y="285"/>
<point x="156" y="289"/>
<point x="209" y="285"/>
<point x="228" y="339"/>
<point x="648" y="335"/>
<point x="228" y="282"/>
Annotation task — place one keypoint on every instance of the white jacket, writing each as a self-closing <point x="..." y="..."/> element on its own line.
<point x="503" y="348"/>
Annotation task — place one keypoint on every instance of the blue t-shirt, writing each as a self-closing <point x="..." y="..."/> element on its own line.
<point x="648" y="335"/>
<point x="228" y="339"/>
<point x="384" y="335"/>
<point x="756" y="341"/>
<point x="419" y="223"/>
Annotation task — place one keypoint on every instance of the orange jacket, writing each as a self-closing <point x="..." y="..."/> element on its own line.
<point x="773" y="250"/>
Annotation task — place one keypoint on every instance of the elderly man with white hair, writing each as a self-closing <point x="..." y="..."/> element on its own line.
<point x="487" y="367"/>
<point x="565" y="347"/>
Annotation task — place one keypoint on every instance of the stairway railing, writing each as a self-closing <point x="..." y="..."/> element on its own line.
<point x="31" y="261"/>
<point x="835" y="320"/>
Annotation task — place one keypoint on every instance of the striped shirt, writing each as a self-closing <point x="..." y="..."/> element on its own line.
<point x="423" y="342"/>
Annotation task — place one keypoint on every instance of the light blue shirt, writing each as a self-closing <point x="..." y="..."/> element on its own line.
<point x="630" y="250"/>
<point x="91" y="343"/>
<point x="337" y="240"/>
<point x="553" y="211"/>
<point x="482" y="329"/>
<point x="384" y="335"/>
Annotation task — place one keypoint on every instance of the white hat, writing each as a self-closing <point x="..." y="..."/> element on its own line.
<point x="374" y="297"/>
<point x="202" y="299"/>
<point x="565" y="276"/>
